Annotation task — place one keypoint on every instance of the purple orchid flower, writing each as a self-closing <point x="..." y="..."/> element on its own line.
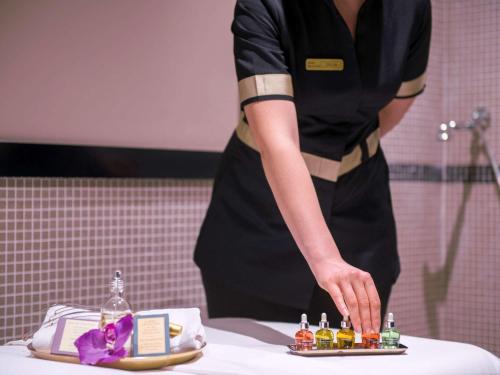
<point x="104" y="346"/>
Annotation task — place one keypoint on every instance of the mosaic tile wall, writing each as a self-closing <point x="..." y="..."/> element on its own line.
<point x="60" y="238"/>
<point x="416" y="204"/>
<point x="449" y="233"/>
<point x="470" y="262"/>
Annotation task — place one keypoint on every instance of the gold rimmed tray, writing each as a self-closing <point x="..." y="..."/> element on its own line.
<point x="357" y="350"/>
<point x="128" y="363"/>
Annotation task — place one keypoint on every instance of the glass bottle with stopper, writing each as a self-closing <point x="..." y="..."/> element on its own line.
<point x="370" y="340"/>
<point x="304" y="338"/>
<point x="345" y="336"/>
<point x="116" y="306"/>
<point x="390" y="334"/>
<point x="324" y="335"/>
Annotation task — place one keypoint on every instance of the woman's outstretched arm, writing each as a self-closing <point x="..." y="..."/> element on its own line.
<point x="273" y="124"/>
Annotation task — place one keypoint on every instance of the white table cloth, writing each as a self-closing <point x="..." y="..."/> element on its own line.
<point x="240" y="346"/>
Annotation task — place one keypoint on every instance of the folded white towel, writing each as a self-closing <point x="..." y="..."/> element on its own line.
<point x="192" y="336"/>
<point x="42" y="339"/>
<point x="193" y="333"/>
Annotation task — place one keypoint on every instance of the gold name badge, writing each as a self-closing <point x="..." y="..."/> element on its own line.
<point x="332" y="65"/>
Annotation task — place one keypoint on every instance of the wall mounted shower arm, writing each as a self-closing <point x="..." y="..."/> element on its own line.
<point x="489" y="153"/>
<point x="479" y="122"/>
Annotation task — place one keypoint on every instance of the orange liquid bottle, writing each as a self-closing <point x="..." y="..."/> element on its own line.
<point x="304" y="338"/>
<point x="370" y="340"/>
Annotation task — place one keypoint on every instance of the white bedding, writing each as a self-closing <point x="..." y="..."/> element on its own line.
<point x="249" y="347"/>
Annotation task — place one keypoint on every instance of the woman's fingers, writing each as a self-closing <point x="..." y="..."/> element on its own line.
<point x="338" y="299"/>
<point x="374" y="302"/>
<point x="363" y="305"/>
<point x="353" y="292"/>
<point x="352" y="303"/>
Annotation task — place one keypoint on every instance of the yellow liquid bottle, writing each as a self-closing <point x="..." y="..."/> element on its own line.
<point x="324" y="335"/>
<point x="345" y="337"/>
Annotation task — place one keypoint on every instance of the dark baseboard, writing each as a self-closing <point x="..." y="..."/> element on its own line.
<point x="46" y="160"/>
<point x="49" y="160"/>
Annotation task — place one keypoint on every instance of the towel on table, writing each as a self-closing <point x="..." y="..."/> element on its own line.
<point x="192" y="335"/>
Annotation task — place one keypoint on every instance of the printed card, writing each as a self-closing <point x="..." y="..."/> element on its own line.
<point x="67" y="331"/>
<point x="151" y="335"/>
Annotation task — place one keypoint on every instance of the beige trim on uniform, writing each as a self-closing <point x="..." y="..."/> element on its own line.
<point x="265" y="84"/>
<point x="351" y="160"/>
<point x="319" y="166"/>
<point x="372" y="142"/>
<point x="324" y="168"/>
<point x="411" y="88"/>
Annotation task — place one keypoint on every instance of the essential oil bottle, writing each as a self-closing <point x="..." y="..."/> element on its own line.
<point x="345" y="336"/>
<point x="390" y="334"/>
<point x="304" y="338"/>
<point x="370" y="340"/>
<point x="324" y="335"/>
<point x="116" y="306"/>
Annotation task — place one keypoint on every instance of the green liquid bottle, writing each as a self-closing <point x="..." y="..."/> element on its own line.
<point x="324" y="335"/>
<point x="390" y="335"/>
<point x="345" y="337"/>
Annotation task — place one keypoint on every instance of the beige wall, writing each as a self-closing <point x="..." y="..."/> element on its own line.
<point x="149" y="73"/>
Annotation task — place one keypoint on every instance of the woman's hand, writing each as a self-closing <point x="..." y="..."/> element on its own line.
<point x="352" y="290"/>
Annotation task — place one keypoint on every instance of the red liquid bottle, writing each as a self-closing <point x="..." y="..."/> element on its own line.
<point x="304" y="338"/>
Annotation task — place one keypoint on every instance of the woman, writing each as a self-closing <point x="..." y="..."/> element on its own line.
<point x="301" y="213"/>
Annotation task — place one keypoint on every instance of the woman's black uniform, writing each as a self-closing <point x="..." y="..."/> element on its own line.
<point x="302" y="50"/>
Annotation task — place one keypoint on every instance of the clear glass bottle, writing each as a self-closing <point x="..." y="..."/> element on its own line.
<point x="324" y="335"/>
<point x="116" y="306"/>
<point x="390" y="334"/>
<point x="304" y="338"/>
<point x="345" y="336"/>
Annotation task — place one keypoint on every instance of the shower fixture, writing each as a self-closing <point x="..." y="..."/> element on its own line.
<point x="479" y="122"/>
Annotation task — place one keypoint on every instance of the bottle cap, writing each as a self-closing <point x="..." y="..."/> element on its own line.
<point x="390" y="320"/>
<point x="304" y="324"/>
<point x="175" y="329"/>
<point x="323" y="323"/>
<point x="117" y="284"/>
<point x="345" y="323"/>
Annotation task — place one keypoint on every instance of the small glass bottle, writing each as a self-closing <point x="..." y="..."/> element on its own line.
<point x="370" y="340"/>
<point x="324" y="335"/>
<point x="304" y="338"/>
<point x="390" y="334"/>
<point x="116" y="306"/>
<point x="345" y="336"/>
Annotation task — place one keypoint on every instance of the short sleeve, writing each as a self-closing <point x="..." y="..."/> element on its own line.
<point x="259" y="58"/>
<point x="414" y="77"/>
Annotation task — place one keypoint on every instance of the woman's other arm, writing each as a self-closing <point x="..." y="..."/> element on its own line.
<point x="393" y="113"/>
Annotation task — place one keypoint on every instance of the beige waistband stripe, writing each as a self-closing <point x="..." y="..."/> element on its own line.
<point x="265" y="84"/>
<point x="372" y="142"/>
<point x="324" y="168"/>
<point x="350" y="161"/>
<point x="319" y="166"/>
<point x="409" y="88"/>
